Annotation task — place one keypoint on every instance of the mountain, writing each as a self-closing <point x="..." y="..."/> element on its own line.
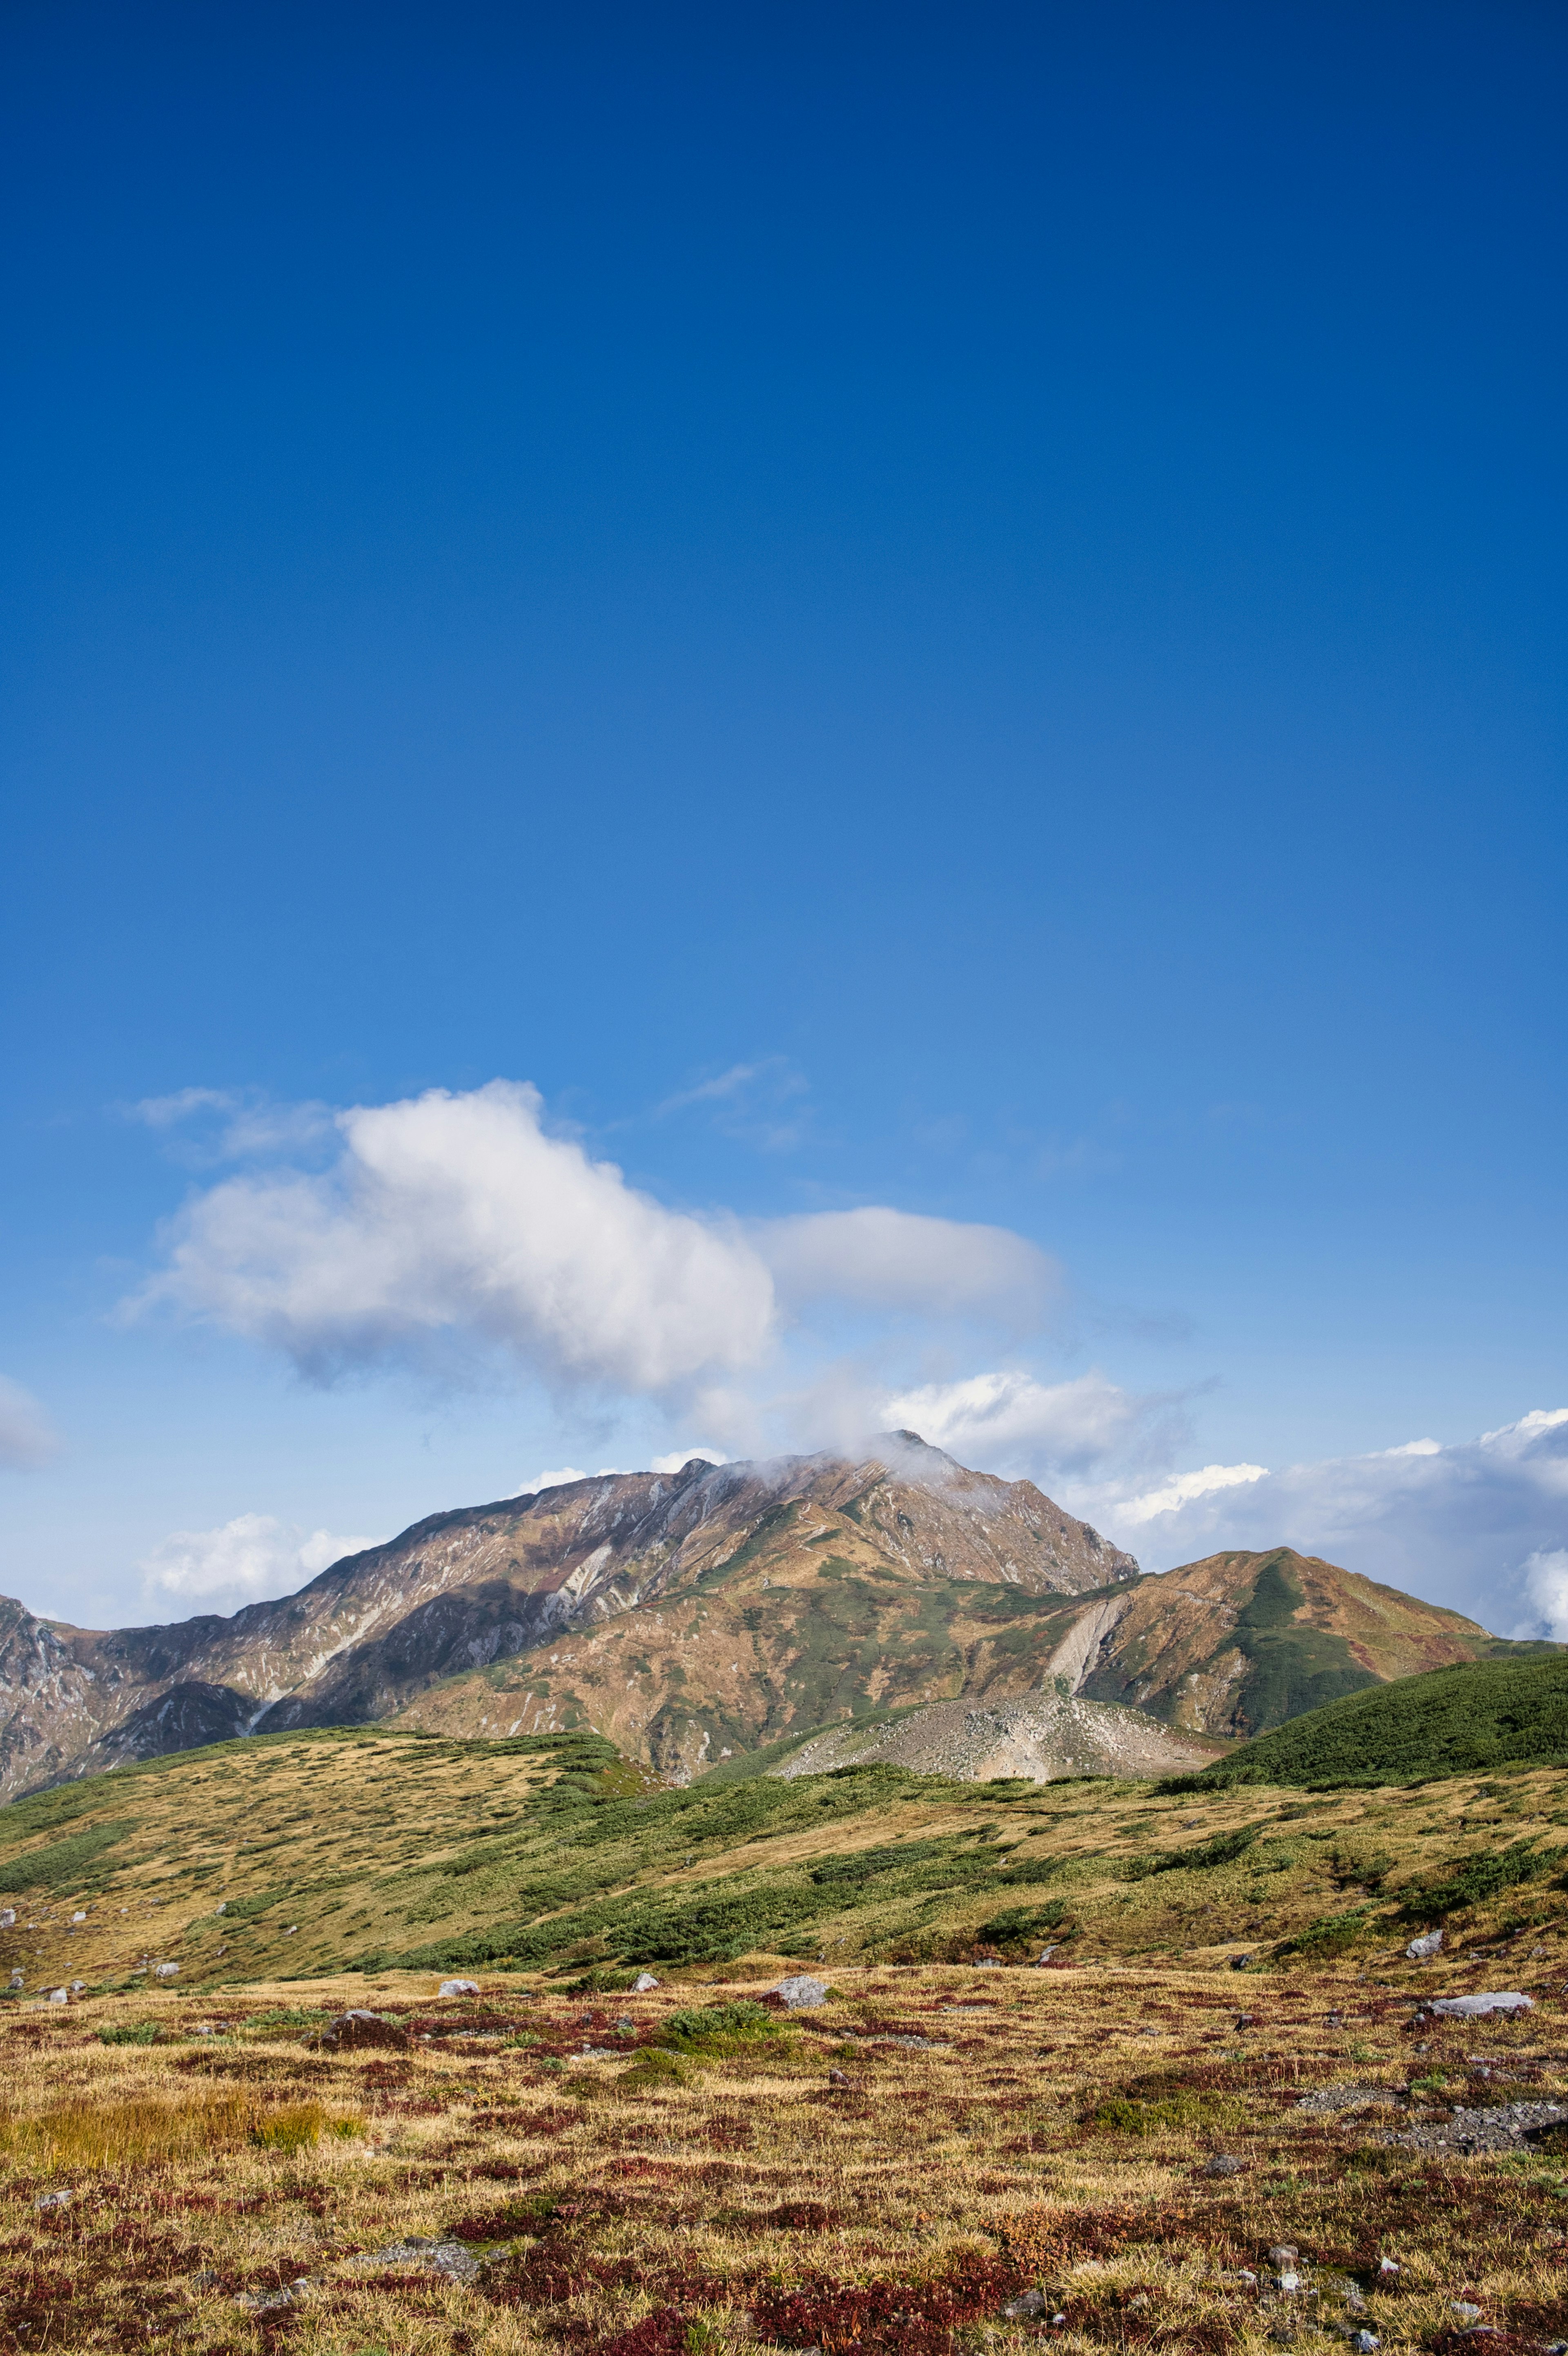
<point x="1239" y="1642"/>
<point x="689" y="1615"/>
<point x="1470" y="1717"/>
<point x="1218" y="1650"/>
<point x="698" y="1618"/>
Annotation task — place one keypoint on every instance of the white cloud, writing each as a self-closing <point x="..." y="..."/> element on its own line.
<point x="458" y="1216"/>
<point x="239" y="1562"/>
<point x="1545" y="1585"/>
<point x="452" y="1220"/>
<point x="563" y="1473"/>
<point x="1184" y="1488"/>
<point x="559" y="1478"/>
<point x="1001" y="1423"/>
<point x="1480" y="1526"/>
<point x="163" y="1112"/>
<point x="26" y="1439"/>
<point x="880" y="1258"/>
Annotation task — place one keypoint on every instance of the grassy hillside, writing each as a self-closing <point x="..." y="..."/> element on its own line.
<point x="312" y="1855"/>
<point x="1475" y="1714"/>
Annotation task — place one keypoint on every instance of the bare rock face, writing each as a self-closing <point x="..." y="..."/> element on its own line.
<point x="1039" y="1736"/>
<point x="627" y="1602"/>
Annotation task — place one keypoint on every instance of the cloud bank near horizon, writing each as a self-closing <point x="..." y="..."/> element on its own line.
<point x="1480" y="1526"/>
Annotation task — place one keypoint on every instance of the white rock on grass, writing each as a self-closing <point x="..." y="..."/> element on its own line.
<point x="167" y="1972"/>
<point x="1469" y="2008"/>
<point x="60" y="1996"/>
<point x="1420" y="1951"/>
<point x="802" y="1993"/>
<point x="458" y="1988"/>
<point x="642" y="1983"/>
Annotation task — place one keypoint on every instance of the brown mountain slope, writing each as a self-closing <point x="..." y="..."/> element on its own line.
<point x="1239" y="1642"/>
<point x="809" y="1635"/>
<point x="676" y="1564"/>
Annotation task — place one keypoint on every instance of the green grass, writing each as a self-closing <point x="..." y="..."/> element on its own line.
<point x="1476" y="1714"/>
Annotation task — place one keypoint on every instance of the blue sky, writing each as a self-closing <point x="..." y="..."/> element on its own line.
<point x="956" y="613"/>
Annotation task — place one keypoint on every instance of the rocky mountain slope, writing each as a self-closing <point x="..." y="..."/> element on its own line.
<point x="701" y="1617"/>
<point x="688" y="1614"/>
<point x="1038" y="1737"/>
<point x="1239" y="1642"/>
<point x="804" y="1636"/>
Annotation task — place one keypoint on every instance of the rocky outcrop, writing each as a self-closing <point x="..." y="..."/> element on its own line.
<point x="1040" y="1737"/>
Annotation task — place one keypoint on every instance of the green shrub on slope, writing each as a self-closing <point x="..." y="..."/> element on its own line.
<point x="1451" y="1721"/>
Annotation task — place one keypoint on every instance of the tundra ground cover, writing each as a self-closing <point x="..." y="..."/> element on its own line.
<point x="891" y="2172"/>
<point x="1221" y="2056"/>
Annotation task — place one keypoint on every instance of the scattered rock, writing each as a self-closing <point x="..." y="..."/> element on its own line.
<point x="167" y="1972"/>
<point x="802" y="1993"/>
<point x="60" y="1996"/>
<point x="642" y="1983"/>
<point x="1023" y="2309"/>
<point x="1326" y="2099"/>
<point x="8" y="1918"/>
<point x="17" y="1981"/>
<point x="55" y="2199"/>
<point x="1364" y="2342"/>
<point x="1420" y="1951"/>
<point x="1499" y="2129"/>
<point x="79" y="1987"/>
<point x="1239" y="1963"/>
<point x="79" y="1917"/>
<point x="1388" y="2267"/>
<point x="449" y="2259"/>
<point x="1464" y="2310"/>
<point x="1224" y="2163"/>
<point x="1467" y="2008"/>
<point x="840" y="2078"/>
<point x="627" y="2027"/>
<point x="458" y="1988"/>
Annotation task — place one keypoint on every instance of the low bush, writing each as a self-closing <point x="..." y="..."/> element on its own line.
<point x="129" y="2032"/>
<point x="1471" y="1880"/>
<point x="1331" y="1935"/>
<point x="720" y="2028"/>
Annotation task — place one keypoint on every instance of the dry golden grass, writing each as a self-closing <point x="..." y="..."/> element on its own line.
<point x="141" y="2130"/>
<point x="756" y="2199"/>
<point x="303" y="1856"/>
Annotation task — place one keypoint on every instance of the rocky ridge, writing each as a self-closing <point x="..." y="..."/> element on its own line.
<point x="518" y="1579"/>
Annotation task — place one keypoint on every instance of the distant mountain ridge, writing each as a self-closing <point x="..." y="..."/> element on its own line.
<point x="698" y="1617"/>
<point x="461" y="1591"/>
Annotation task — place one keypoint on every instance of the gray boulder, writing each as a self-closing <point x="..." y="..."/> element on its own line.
<point x="1469" y="2007"/>
<point x="1421" y="1951"/>
<point x="802" y="1993"/>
